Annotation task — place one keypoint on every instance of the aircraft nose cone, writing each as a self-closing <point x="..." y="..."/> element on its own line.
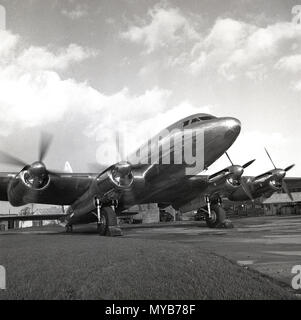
<point x="232" y="127"/>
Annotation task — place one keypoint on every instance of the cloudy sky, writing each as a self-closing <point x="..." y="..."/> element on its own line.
<point x="79" y="69"/>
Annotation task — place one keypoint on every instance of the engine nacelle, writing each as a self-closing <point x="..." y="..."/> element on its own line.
<point x="121" y="175"/>
<point x="224" y="188"/>
<point x="257" y="188"/>
<point x="24" y="188"/>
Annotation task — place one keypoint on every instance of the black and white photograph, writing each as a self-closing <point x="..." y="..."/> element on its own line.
<point x="150" y="151"/>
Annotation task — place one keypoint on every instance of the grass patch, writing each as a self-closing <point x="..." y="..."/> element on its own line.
<point x="77" y="266"/>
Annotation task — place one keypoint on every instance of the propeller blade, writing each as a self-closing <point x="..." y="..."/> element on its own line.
<point x="289" y="168"/>
<point x="267" y="174"/>
<point x="270" y="158"/>
<point x="246" y="189"/>
<point x="248" y="164"/>
<point x="8" y="159"/>
<point x="229" y="158"/>
<point x="285" y="188"/>
<point x="225" y="171"/>
<point x="45" y="143"/>
<point x="119" y="146"/>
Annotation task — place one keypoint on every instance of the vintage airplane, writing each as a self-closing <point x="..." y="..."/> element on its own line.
<point x="101" y="197"/>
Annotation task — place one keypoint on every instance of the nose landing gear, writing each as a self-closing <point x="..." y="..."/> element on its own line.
<point x="216" y="215"/>
<point x="107" y="220"/>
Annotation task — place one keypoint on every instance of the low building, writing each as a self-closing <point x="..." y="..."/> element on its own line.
<point x="143" y="213"/>
<point x="147" y="213"/>
<point x="37" y="209"/>
<point x="281" y="204"/>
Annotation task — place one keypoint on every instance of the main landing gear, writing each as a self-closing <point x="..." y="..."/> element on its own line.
<point x="216" y="215"/>
<point x="106" y="220"/>
<point x="69" y="228"/>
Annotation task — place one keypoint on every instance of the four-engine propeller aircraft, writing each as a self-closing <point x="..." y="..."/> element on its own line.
<point x="101" y="197"/>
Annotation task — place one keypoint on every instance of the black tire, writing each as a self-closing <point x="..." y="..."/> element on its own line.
<point x="69" y="229"/>
<point x="108" y="218"/>
<point x="218" y="216"/>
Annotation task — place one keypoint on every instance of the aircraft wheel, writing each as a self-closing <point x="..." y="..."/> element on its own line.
<point x="69" y="228"/>
<point x="218" y="216"/>
<point x="102" y="225"/>
<point x="108" y="220"/>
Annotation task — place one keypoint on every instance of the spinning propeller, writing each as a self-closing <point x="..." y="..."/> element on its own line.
<point x="37" y="171"/>
<point x="277" y="176"/>
<point x="121" y="172"/>
<point x="234" y="175"/>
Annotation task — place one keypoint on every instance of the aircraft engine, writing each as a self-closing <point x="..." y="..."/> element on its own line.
<point x="228" y="179"/>
<point x="32" y="179"/>
<point x="35" y="176"/>
<point x="121" y="174"/>
<point x="263" y="184"/>
<point x="110" y="182"/>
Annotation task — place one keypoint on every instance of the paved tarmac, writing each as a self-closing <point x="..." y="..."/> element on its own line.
<point x="270" y="245"/>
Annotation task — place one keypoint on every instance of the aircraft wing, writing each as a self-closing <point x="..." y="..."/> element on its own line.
<point x="293" y="183"/>
<point x="63" y="189"/>
<point x="194" y="186"/>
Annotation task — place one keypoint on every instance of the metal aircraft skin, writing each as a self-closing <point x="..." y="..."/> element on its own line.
<point x="99" y="197"/>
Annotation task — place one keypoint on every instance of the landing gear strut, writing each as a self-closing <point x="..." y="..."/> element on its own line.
<point x="216" y="216"/>
<point x="106" y="220"/>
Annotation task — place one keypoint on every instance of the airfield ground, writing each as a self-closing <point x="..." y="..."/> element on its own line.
<point x="177" y="261"/>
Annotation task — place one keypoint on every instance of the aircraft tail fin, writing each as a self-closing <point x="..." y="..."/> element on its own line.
<point x="67" y="168"/>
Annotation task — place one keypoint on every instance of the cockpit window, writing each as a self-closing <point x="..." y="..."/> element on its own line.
<point x="206" y="118"/>
<point x="198" y="119"/>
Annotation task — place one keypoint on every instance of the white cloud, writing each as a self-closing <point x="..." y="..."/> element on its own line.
<point x="34" y="94"/>
<point x="297" y="86"/>
<point x="230" y="48"/>
<point x="76" y="13"/>
<point x="234" y="48"/>
<point x="199" y="63"/>
<point x="167" y="26"/>
<point x="290" y="63"/>
<point x="42" y="58"/>
<point x="7" y="44"/>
